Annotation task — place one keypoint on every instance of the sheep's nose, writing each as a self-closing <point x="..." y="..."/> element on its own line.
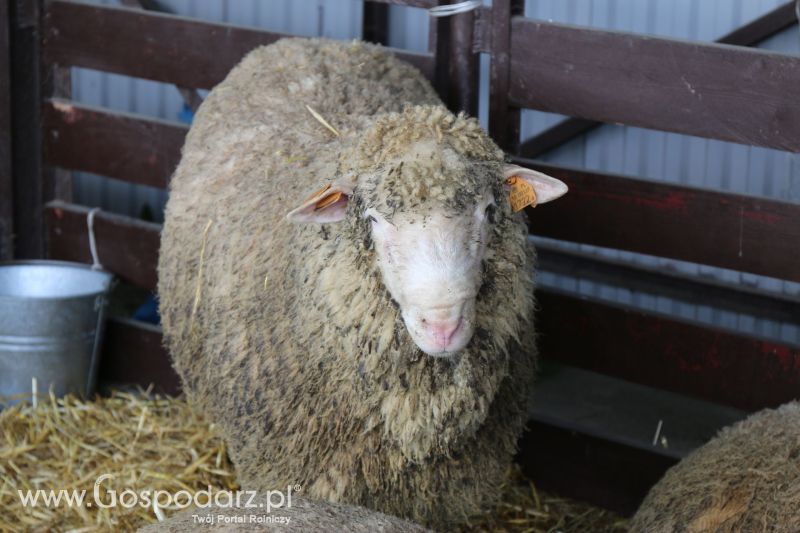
<point x="442" y="331"/>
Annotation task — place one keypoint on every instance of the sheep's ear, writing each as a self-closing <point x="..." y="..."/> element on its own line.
<point x="528" y="187"/>
<point x="329" y="204"/>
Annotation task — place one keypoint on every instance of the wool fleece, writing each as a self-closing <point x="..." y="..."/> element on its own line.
<point x="285" y="334"/>
<point x="747" y="478"/>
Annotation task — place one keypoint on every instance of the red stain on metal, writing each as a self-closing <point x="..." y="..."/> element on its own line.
<point x="673" y="201"/>
<point x="783" y="355"/>
<point x="764" y="218"/>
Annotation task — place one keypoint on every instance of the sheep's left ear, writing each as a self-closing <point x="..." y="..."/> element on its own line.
<point x="329" y="204"/>
<point x="529" y="187"/>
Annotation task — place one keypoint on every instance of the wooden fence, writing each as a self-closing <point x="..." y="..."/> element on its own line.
<point x="696" y="377"/>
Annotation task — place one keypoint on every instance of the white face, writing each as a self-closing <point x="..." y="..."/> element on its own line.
<point x="431" y="265"/>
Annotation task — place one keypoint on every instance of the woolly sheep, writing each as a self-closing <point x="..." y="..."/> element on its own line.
<point x="745" y="479"/>
<point x="376" y="345"/>
<point x="303" y="515"/>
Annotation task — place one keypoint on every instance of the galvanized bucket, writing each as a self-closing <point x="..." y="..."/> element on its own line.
<point x="51" y="325"/>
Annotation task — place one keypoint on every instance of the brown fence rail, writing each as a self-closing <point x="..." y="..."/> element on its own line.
<point x="669" y="354"/>
<point x="122" y="146"/>
<point x="158" y="46"/>
<point x="731" y="231"/>
<point x="125" y="246"/>
<point x="710" y="90"/>
<point x="750" y="34"/>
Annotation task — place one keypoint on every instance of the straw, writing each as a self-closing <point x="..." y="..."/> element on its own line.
<point x="322" y="120"/>
<point x="144" y="441"/>
<point x="151" y="442"/>
<point x="523" y="508"/>
<point x="199" y="285"/>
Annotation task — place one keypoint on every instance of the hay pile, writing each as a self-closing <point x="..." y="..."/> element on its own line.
<point x="150" y="442"/>
<point x="143" y="441"/>
<point x="523" y="508"/>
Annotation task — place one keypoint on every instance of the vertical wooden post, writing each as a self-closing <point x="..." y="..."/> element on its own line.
<point x="439" y="44"/>
<point x="375" y="25"/>
<point x="6" y="186"/>
<point x="463" y="65"/>
<point x="503" y="120"/>
<point x="27" y="131"/>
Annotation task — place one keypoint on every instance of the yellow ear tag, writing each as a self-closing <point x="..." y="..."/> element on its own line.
<point x="521" y="194"/>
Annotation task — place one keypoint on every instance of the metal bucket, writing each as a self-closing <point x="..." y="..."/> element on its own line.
<point x="51" y="324"/>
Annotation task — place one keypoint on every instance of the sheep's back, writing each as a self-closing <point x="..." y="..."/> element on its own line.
<point x="229" y="260"/>
<point x="745" y="479"/>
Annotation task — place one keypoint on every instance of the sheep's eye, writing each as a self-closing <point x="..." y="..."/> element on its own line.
<point x="372" y="218"/>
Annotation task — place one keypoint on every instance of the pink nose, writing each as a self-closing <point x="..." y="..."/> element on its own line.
<point x="442" y="332"/>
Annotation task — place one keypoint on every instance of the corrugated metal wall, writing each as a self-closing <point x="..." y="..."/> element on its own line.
<point x="619" y="149"/>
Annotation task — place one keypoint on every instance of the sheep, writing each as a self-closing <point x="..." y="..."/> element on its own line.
<point x="371" y="341"/>
<point x="302" y="515"/>
<point x="747" y="478"/>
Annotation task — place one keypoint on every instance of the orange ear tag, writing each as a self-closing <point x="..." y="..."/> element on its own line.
<point x="328" y="200"/>
<point x="319" y="192"/>
<point x="521" y="194"/>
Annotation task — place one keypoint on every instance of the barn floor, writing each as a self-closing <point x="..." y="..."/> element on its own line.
<point x="160" y="443"/>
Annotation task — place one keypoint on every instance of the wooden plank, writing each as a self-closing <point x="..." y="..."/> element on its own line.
<point x="685" y="288"/>
<point x="591" y="436"/>
<point x="750" y="34"/>
<point x="709" y="90"/>
<point x="763" y="27"/>
<point x="700" y="361"/>
<point x="133" y="354"/>
<point x="742" y="233"/>
<point x="6" y="184"/>
<point x="126" y="247"/>
<point x="624" y="412"/>
<point x="140" y="150"/>
<point x="157" y="46"/>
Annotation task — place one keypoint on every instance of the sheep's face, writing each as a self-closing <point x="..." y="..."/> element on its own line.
<point x="431" y="266"/>
<point x="430" y="218"/>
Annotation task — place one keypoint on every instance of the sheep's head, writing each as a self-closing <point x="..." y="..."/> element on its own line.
<point x="428" y="191"/>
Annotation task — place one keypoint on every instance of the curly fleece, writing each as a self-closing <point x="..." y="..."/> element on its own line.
<point x="745" y="479"/>
<point x="285" y="333"/>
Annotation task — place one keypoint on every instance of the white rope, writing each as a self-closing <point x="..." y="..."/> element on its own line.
<point x="454" y="9"/>
<point x="92" y="244"/>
